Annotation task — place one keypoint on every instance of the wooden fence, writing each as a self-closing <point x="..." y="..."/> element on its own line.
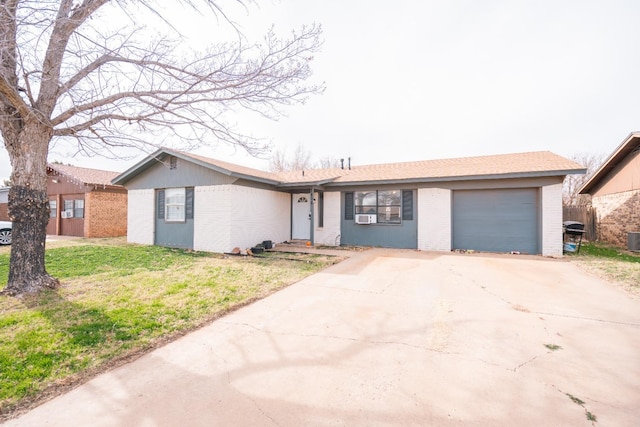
<point x="585" y="215"/>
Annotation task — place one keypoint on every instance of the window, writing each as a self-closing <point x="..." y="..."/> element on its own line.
<point x="174" y="204"/>
<point x="53" y="208"/>
<point x="385" y="204"/>
<point x="68" y="209"/>
<point x="169" y="206"/>
<point x="78" y="211"/>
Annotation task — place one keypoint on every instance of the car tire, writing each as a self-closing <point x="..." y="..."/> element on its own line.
<point x="5" y="236"/>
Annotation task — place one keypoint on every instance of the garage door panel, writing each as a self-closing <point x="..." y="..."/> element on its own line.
<point x="501" y="220"/>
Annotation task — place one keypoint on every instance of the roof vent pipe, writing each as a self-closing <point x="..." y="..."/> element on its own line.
<point x="341" y="163"/>
<point x="349" y="163"/>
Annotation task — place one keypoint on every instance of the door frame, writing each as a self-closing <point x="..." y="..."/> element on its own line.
<point x="298" y="217"/>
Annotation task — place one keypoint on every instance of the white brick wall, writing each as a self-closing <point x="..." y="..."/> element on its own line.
<point x="140" y="216"/>
<point x="434" y="219"/>
<point x="329" y="234"/>
<point x="259" y="215"/>
<point x="228" y="216"/>
<point x="552" y="220"/>
<point x="212" y="219"/>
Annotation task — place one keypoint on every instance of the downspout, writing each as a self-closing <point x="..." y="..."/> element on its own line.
<point x="311" y="219"/>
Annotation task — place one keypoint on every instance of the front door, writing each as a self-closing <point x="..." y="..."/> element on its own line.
<point x="300" y="228"/>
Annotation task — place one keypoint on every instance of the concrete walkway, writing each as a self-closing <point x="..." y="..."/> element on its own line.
<point x="391" y="338"/>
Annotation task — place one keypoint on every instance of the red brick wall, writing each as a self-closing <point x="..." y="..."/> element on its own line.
<point x="618" y="214"/>
<point x="105" y="214"/>
<point x="4" y="215"/>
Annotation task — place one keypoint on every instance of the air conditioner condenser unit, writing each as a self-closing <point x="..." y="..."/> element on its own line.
<point x="633" y="241"/>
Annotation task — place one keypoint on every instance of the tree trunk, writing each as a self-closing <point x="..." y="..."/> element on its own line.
<point x="29" y="210"/>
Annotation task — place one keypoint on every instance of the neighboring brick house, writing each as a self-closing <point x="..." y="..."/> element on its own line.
<point x="4" y="199"/>
<point x="84" y="203"/>
<point x="615" y="192"/>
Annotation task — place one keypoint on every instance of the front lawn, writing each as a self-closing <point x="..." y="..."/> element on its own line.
<point x="611" y="263"/>
<point x="116" y="302"/>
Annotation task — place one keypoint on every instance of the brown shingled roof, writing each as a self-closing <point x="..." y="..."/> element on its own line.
<point x="501" y="164"/>
<point x="540" y="163"/>
<point x="84" y="175"/>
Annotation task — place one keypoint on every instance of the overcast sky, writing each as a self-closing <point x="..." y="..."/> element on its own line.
<point x="414" y="80"/>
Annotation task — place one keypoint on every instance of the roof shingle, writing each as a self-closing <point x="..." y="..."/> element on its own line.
<point x="84" y="175"/>
<point x="539" y="163"/>
<point x="501" y="164"/>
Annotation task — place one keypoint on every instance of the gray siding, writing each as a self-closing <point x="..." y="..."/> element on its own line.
<point x="174" y="235"/>
<point x="496" y="220"/>
<point x="404" y="235"/>
<point x="186" y="174"/>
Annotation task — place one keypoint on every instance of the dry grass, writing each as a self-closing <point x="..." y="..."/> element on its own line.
<point x="615" y="265"/>
<point x="621" y="273"/>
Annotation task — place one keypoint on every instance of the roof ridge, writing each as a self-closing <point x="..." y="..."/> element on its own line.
<point x="53" y="166"/>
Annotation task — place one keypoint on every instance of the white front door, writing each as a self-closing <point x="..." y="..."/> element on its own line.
<point x="301" y="219"/>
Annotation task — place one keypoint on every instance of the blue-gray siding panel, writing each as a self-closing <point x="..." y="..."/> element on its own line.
<point x="403" y="235"/>
<point x="500" y="220"/>
<point x="186" y="174"/>
<point x="174" y="234"/>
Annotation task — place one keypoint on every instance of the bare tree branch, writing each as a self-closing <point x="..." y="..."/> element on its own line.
<point x="71" y="78"/>
<point x="300" y="159"/>
<point x="572" y="183"/>
<point x="68" y="19"/>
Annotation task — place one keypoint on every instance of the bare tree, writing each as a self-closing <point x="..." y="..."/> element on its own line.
<point x="301" y="159"/>
<point x="328" y="162"/>
<point x="66" y="78"/>
<point x="572" y="183"/>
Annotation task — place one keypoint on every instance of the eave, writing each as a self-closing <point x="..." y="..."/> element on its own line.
<point x="630" y="143"/>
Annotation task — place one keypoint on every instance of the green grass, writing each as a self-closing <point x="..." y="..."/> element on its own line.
<point x="117" y="300"/>
<point x="608" y="252"/>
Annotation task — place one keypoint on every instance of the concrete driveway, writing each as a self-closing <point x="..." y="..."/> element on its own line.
<point x="391" y="338"/>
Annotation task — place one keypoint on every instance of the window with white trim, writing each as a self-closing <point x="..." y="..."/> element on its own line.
<point x="174" y="199"/>
<point x="53" y="208"/>
<point x="78" y="210"/>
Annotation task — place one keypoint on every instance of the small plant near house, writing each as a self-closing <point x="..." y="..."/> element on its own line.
<point x="553" y="347"/>
<point x="591" y="417"/>
<point x="118" y="301"/>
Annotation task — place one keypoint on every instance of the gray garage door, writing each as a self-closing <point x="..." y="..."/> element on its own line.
<point x="502" y="220"/>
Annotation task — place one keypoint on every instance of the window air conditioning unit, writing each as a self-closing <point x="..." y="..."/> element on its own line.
<point x="66" y="214"/>
<point x="365" y="219"/>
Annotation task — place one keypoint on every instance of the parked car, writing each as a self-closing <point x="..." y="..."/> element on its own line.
<point x="5" y="232"/>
